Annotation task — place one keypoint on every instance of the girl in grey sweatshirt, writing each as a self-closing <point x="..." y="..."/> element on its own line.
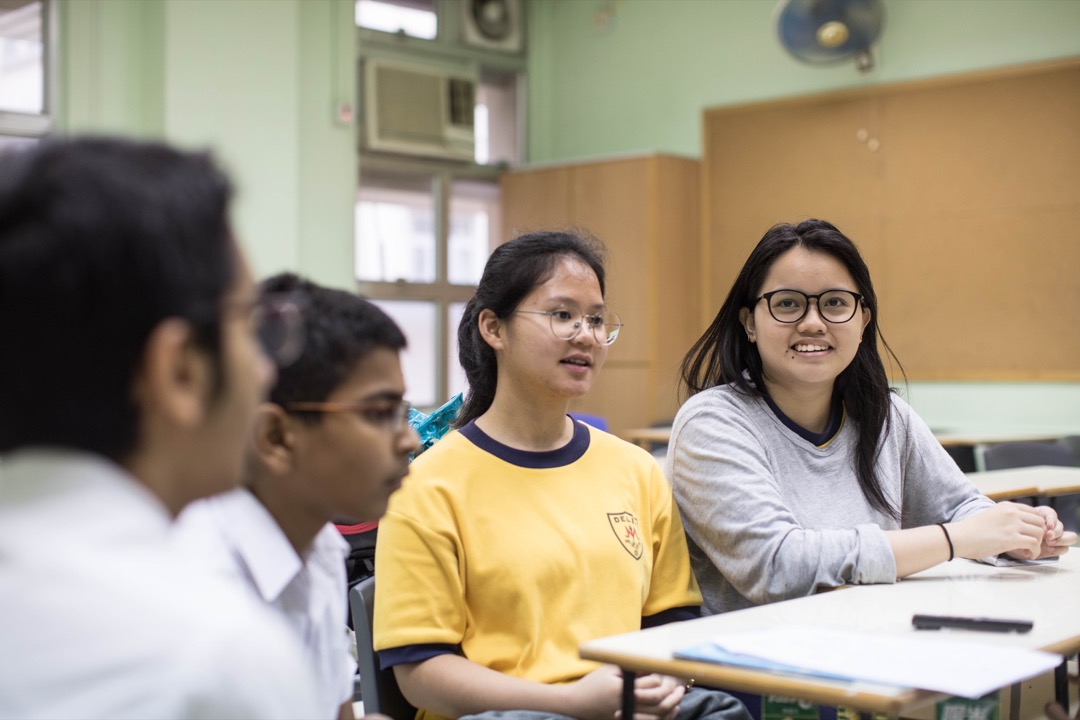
<point x="795" y="466"/>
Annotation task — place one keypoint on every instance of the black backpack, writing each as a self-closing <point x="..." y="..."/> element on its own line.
<point x="360" y="562"/>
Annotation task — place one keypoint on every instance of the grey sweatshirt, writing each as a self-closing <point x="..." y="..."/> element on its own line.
<point x="770" y="516"/>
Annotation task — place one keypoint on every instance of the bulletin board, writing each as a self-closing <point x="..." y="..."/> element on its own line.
<point x="963" y="194"/>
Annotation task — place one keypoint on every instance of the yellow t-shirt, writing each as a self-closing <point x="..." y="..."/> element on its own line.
<point x="519" y="557"/>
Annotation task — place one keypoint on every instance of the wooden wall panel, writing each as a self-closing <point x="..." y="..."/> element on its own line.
<point x="781" y="163"/>
<point x="618" y="395"/>
<point x="967" y="209"/>
<point x="535" y="200"/>
<point x="675" y="262"/>
<point x="647" y="210"/>
<point x="611" y="200"/>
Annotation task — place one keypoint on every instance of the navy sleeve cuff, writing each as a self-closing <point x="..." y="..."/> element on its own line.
<point x="676" y="614"/>
<point x="407" y="654"/>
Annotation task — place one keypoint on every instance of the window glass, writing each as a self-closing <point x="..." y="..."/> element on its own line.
<point x="22" y="67"/>
<point x="422" y="266"/>
<point x="395" y="228"/>
<point x="415" y="18"/>
<point x="474" y="223"/>
<point x="417" y="320"/>
<point x="457" y="383"/>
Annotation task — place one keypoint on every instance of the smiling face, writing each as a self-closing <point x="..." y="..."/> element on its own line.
<point x="808" y="355"/>
<point x="533" y="363"/>
<point x="348" y="464"/>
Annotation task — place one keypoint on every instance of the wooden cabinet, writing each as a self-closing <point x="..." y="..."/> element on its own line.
<point x="647" y="211"/>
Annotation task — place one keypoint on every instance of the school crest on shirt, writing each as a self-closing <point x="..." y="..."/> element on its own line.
<point x="627" y="530"/>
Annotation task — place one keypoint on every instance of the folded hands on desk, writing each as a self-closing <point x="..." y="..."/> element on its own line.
<point x="1023" y="532"/>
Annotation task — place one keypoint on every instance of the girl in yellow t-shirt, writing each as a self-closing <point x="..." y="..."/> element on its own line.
<point x="524" y="533"/>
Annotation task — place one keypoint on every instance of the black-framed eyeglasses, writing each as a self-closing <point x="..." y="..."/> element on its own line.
<point x="390" y="415"/>
<point x="567" y="324"/>
<point x="791" y="306"/>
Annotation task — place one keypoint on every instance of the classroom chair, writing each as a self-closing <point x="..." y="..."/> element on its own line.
<point x="1025" y="454"/>
<point x="659" y="449"/>
<point x="963" y="456"/>
<point x="379" y="690"/>
<point x="1073" y="443"/>
<point x="597" y="421"/>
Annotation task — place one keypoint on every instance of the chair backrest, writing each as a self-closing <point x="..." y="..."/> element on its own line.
<point x="1073" y="443"/>
<point x="379" y="690"/>
<point x="598" y="422"/>
<point x="1024" y="454"/>
<point x="964" y="456"/>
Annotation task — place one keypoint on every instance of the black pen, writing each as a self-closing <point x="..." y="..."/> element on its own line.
<point x="939" y="622"/>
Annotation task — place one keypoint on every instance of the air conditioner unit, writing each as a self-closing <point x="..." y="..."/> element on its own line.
<point x="493" y="24"/>
<point x="418" y="110"/>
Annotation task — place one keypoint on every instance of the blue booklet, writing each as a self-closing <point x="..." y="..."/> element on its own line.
<point x="711" y="652"/>
<point x="939" y="662"/>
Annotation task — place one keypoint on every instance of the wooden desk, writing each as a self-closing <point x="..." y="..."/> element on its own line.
<point x="646" y="437"/>
<point x="948" y="439"/>
<point x="1045" y="593"/>
<point x="1037" y="481"/>
<point x="1005" y="484"/>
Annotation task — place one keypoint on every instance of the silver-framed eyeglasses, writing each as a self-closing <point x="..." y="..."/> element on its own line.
<point x="791" y="306"/>
<point x="276" y="323"/>
<point x="279" y="327"/>
<point x="567" y="324"/>
<point x="389" y="415"/>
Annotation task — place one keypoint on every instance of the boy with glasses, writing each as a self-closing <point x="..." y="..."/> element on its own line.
<point x="332" y="444"/>
<point x="129" y="379"/>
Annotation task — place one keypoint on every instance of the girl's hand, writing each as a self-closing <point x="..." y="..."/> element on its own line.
<point x="1054" y="711"/>
<point x="599" y="695"/>
<point x="1005" y="528"/>
<point x="657" y="697"/>
<point x="1056" y="540"/>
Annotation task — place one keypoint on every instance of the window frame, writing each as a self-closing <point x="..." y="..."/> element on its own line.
<point x="441" y="292"/>
<point x="38" y="125"/>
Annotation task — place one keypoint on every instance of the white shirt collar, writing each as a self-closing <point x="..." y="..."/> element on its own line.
<point x="262" y="547"/>
<point x="257" y="540"/>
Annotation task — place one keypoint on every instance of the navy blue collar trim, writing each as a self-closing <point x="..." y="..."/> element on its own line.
<point x="836" y="419"/>
<point x="565" y="455"/>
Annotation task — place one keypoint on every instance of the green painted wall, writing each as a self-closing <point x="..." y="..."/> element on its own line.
<point x="640" y="83"/>
<point x="257" y="81"/>
<point x="112" y="67"/>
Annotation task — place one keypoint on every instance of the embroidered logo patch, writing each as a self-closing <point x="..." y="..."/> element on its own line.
<point x="626" y="529"/>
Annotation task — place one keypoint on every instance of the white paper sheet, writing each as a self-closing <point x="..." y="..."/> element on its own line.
<point x="1006" y="561"/>
<point x="943" y="664"/>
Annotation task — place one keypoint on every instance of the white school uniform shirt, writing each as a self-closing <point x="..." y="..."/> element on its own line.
<point x="239" y="537"/>
<point x="101" y="617"/>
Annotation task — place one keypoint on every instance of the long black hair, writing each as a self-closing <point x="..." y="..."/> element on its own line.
<point x="511" y="273"/>
<point x="723" y="353"/>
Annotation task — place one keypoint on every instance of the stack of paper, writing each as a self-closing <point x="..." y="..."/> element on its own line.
<point x="942" y="664"/>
